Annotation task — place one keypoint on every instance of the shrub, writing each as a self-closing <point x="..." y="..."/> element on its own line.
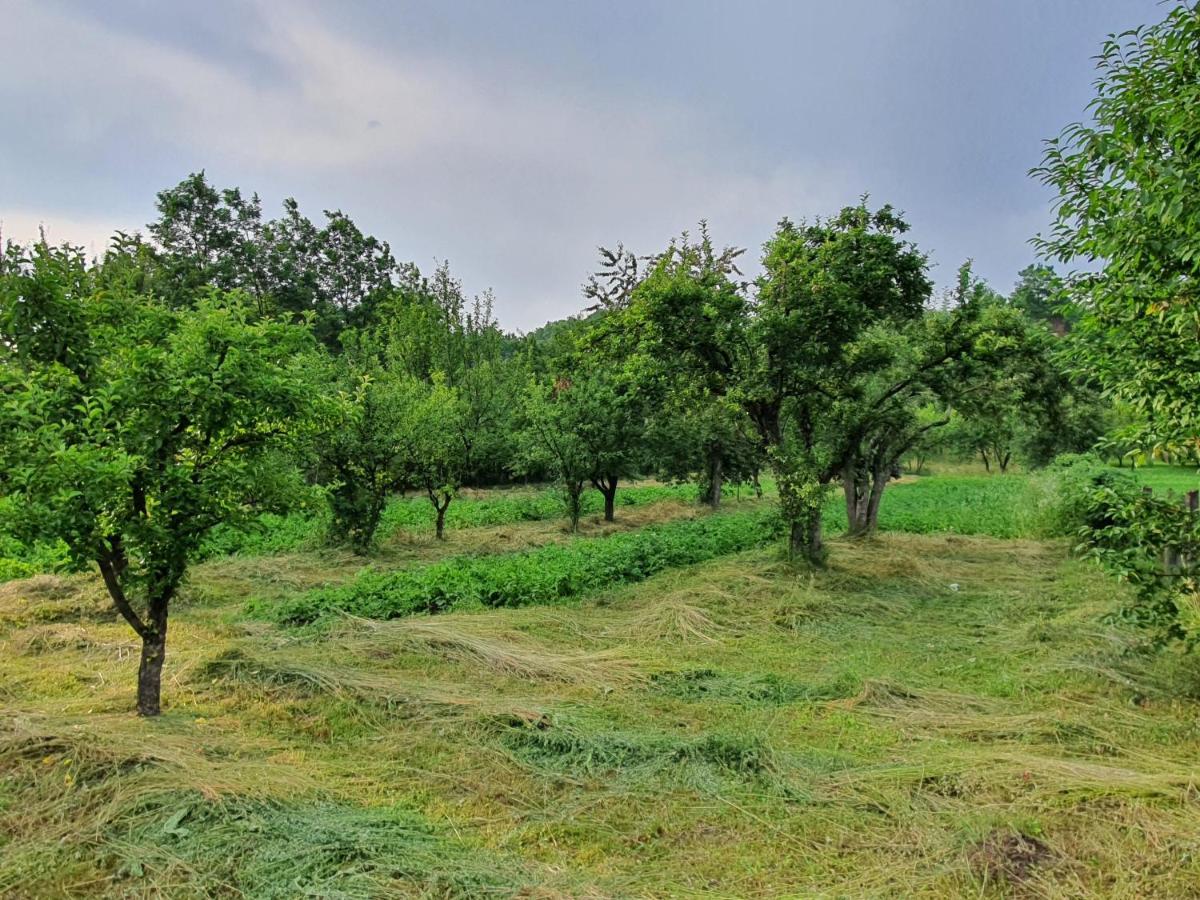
<point x="1059" y="497"/>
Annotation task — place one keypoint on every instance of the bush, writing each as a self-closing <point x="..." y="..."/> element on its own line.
<point x="546" y="575"/>
<point x="1061" y="495"/>
<point x="19" y="560"/>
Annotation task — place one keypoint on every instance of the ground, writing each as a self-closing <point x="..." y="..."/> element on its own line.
<point x="934" y="715"/>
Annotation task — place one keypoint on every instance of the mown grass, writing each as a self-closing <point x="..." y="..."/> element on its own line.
<point x="933" y="715"/>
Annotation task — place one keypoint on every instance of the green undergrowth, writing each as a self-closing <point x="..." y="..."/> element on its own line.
<point x="994" y="505"/>
<point x="549" y="574"/>
<point x="306" y="529"/>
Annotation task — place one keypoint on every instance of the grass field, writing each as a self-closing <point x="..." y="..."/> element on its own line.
<point x="938" y="714"/>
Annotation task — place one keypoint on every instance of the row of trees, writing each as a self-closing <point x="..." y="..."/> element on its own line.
<point x="227" y="366"/>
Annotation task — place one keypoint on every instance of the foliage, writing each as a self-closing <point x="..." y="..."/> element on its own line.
<point x="1039" y="293"/>
<point x="554" y="416"/>
<point x="363" y="451"/>
<point x="1127" y="182"/>
<point x="1152" y="542"/>
<point x="429" y="332"/>
<point x="206" y="237"/>
<point x="676" y="333"/>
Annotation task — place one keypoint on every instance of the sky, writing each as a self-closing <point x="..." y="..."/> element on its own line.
<point x="514" y="138"/>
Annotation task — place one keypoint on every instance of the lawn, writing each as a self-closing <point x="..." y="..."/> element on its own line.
<point x="938" y="715"/>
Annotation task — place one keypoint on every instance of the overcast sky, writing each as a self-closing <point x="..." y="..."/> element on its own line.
<point x="512" y="138"/>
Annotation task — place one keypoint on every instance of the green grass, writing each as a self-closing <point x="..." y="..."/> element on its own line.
<point x="306" y="529"/>
<point x="549" y="574"/>
<point x="933" y="715"/>
<point x="1179" y="479"/>
<point x="965" y="504"/>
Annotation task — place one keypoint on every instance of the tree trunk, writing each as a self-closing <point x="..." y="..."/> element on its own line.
<point x="610" y="499"/>
<point x="154" y="653"/>
<point x="1004" y="459"/>
<point x="574" y="507"/>
<point x="149" y="685"/>
<point x="441" y="503"/>
<point x="805" y="541"/>
<point x="878" y="483"/>
<point x="714" y="474"/>
<point x="758" y="489"/>
<point x="856" y="488"/>
<point x="986" y="463"/>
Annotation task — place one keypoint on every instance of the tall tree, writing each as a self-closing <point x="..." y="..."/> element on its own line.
<point x="675" y="324"/>
<point x="431" y="332"/>
<point x="828" y="287"/>
<point x="944" y="358"/>
<point x="436" y="456"/>
<point x="208" y="237"/>
<point x="551" y="439"/>
<point x="215" y="237"/>
<point x="364" y="449"/>
<point x="130" y="429"/>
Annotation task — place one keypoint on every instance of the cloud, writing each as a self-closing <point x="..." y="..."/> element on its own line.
<point x="517" y="178"/>
<point x="26" y="227"/>
<point x="514" y="141"/>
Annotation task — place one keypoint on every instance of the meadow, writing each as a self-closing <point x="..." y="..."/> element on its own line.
<point x="946" y="710"/>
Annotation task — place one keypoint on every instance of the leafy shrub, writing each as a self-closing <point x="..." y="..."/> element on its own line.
<point x="1153" y="542"/>
<point x="548" y="574"/>
<point x="1058" y="497"/>
<point x="12" y="569"/>
<point x="270" y="533"/>
<point x="19" y="560"/>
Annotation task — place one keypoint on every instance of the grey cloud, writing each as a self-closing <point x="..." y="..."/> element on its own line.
<point x="513" y="138"/>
